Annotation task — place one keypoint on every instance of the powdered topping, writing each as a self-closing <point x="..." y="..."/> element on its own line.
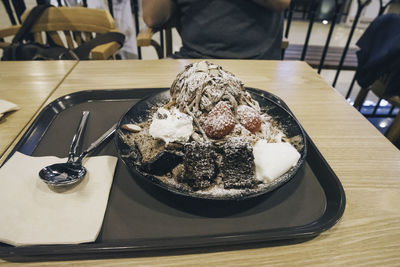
<point x="198" y="88"/>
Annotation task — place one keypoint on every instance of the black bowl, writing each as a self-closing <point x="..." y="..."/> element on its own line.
<point x="269" y="104"/>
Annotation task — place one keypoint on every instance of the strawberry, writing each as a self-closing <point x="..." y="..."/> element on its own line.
<point x="219" y="121"/>
<point x="249" y="118"/>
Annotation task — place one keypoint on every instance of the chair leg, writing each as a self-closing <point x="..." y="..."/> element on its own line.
<point x="393" y="133"/>
<point x="157" y="47"/>
<point x="168" y="42"/>
<point x="362" y="95"/>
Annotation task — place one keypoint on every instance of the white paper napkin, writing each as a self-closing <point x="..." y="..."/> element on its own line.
<point x="6" y="106"/>
<point x="32" y="213"/>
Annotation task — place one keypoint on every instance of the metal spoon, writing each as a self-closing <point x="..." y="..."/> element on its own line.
<point x="76" y="141"/>
<point x="63" y="174"/>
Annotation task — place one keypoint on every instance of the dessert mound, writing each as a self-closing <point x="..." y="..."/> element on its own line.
<point x="211" y="137"/>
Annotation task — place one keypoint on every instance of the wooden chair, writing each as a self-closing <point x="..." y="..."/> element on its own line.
<point x="7" y="32"/>
<point x="70" y="27"/>
<point x="379" y="89"/>
<point x="145" y="38"/>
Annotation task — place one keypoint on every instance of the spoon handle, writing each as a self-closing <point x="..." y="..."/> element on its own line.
<point x="98" y="142"/>
<point x="76" y="140"/>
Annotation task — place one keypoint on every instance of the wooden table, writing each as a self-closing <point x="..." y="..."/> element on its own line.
<point x="27" y="84"/>
<point x="367" y="164"/>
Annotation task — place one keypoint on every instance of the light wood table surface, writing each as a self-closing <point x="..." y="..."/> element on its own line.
<point x="367" y="164"/>
<point x="27" y="84"/>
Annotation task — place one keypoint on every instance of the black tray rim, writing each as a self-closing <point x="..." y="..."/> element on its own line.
<point x="336" y="202"/>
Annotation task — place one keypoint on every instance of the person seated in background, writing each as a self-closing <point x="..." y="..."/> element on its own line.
<point x="236" y="29"/>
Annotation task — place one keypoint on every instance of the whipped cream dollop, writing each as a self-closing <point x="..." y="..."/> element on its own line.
<point x="171" y="125"/>
<point x="273" y="159"/>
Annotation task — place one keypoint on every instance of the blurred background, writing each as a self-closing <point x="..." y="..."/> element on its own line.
<point x="321" y="32"/>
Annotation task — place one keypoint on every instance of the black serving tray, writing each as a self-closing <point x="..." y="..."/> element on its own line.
<point x="142" y="217"/>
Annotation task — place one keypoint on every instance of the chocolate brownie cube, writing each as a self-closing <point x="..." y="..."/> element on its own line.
<point x="238" y="169"/>
<point x="199" y="164"/>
